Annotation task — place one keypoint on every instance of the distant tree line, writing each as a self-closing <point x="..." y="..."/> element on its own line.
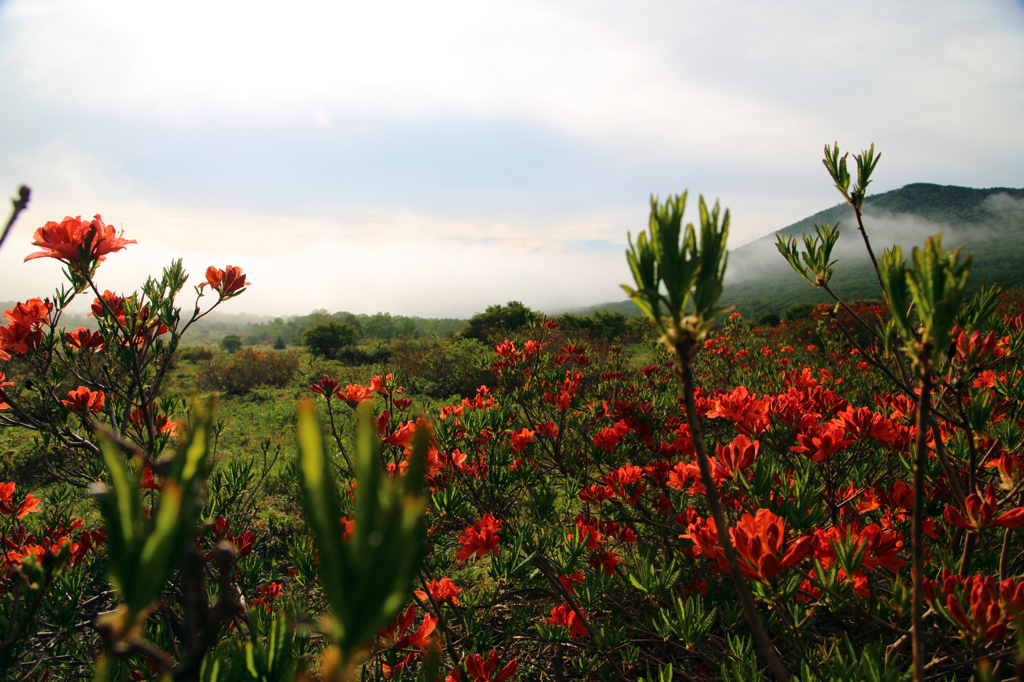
<point x="501" y="321"/>
<point x="382" y="326"/>
<point x="326" y="334"/>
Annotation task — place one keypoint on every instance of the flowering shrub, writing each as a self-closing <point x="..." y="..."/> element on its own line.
<point x="247" y="369"/>
<point x="835" y="497"/>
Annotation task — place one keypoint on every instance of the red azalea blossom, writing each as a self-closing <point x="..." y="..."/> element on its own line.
<point x="33" y="313"/>
<point x="981" y="513"/>
<point x="83" y="400"/>
<point x="863" y="423"/>
<point x="608" y="438"/>
<point x="704" y="534"/>
<point x="521" y="438"/>
<point x="227" y="283"/>
<point x="325" y="387"/>
<point x="819" y="444"/>
<point x="402" y="437"/>
<point x="422" y="638"/>
<point x="443" y="590"/>
<point x="3" y="385"/>
<point x="479" y="539"/>
<point x="564" y="615"/>
<point x="759" y="542"/>
<point x="148" y="482"/>
<point x="485" y="670"/>
<point x="1010" y="468"/>
<point x="80" y="245"/>
<point x="354" y="394"/>
<point x="606" y="561"/>
<point x="738" y="455"/>
<point x="83" y="339"/>
<point x="27" y="506"/>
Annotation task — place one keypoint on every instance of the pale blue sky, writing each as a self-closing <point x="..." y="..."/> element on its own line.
<point x="434" y="158"/>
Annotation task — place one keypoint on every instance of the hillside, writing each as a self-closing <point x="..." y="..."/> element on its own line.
<point x="986" y="222"/>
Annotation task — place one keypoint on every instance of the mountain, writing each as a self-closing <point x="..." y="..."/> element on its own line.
<point x="986" y="222"/>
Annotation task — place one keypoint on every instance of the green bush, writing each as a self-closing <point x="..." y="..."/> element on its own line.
<point x="443" y="368"/>
<point x="325" y="339"/>
<point x="248" y="369"/>
<point x="798" y="311"/>
<point x="232" y="343"/>
<point x="499" y="321"/>
<point x="354" y="356"/>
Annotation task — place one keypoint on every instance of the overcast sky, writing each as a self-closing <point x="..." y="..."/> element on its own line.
<point x="433" y="158"/>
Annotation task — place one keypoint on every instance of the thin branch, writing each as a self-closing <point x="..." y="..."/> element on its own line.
<point x="19" y="205"/>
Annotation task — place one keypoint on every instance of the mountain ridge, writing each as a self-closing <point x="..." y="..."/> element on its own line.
<point x="988" y="222"/>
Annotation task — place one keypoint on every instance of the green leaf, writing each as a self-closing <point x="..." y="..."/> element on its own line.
<point x="320" y="500"/>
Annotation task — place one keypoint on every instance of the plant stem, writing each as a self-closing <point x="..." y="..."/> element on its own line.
<point x="684" y="351"/>
<point x="18" y="205"/>
<point x="867" y="243"/>
<point x="918" y="523"/>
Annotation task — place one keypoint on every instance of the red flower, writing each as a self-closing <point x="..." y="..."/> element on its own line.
<point x="863" y="423"/>
<point x="111" y="304"/>
<point x="243" y="544"/>
<point x="483" y="670"/>
<point x="3" y="385"/>
<point x="83" y="400"/>
<point x="403" y="436"/>
<point x="607" y="561"/>
<point x="227" y="283"/>
<point x="148" y="482"/>
<point x="161" y="423"/>
<point x="704" y="534"/>
<point x="480" y="538"/>
<point x="569" y="580"/>
<point x="738" y="455"/>
<point x="398" y="625"/>
<point x="608" y="438"/>
<point x="79" y="245"/>
<point x="972" y="349"/>
<point x="986" y="621"/>
<point x="819" y="444"/>
<point x="421" y="638"/>
<point x="981" y="513"/>
<point x="23" y="332"/>
<point x="1011" y="470"/>
<point x="521" y="438"/>
<point x="27" y="506"/>
<point x="32" y="313"/>
<point x="443" y="590"/>
<point x="595" y="494"/>
<point x="354" y="394"/>
<point x="759" y="541"/>
<point x="325" y="387"/>
<point x="626" y="482"/>
<point x="271" y="591"/>
<point x="559" y="400"/>
<point x="741" y="406"/>
<point x="564" y="615"/>
<point x="83" y="339"/>
<point x="547" y="429"/>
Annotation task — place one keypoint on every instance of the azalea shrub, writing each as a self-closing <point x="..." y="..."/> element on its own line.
<point x="834" y="497"/>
